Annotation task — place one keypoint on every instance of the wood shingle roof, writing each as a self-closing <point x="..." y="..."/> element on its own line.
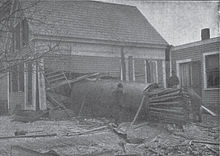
<point x="93" y="20"/>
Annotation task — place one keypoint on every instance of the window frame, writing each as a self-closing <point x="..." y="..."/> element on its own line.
<point x="17" y="37"/>
<point x="21" y="32"/>
<point x="205" y="86"/>
<point x="19" y="78"/>
<point x="156" y="70"/>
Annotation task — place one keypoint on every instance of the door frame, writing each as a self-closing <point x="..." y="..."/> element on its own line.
<point x="178" y="62"/>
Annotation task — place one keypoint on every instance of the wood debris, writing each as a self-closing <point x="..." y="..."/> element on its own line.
<point x="170" y="105"/>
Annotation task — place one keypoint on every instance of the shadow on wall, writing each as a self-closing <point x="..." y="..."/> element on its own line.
<point x="99" y="99"/>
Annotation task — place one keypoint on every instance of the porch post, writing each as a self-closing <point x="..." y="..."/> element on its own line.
<point x="123" y="66"/>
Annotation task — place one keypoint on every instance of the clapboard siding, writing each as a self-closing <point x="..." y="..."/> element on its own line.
<point x="211" y="98"/>
<point x="85" y="64"/>
<point x="195" y="53"/>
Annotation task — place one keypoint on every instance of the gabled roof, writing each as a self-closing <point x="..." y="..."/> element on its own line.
<point x="93" y="20"/>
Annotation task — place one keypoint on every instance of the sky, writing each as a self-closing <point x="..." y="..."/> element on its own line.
<point x="179" y="22"/>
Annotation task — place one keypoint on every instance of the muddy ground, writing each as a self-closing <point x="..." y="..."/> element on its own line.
<point x="73" y="137"/>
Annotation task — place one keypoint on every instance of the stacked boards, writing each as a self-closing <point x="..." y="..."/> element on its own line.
<point x="170" y="105"/>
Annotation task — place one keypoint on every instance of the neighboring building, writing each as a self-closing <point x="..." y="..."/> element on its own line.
<point x="197" y="66"/>
<point x="90" y="37"/>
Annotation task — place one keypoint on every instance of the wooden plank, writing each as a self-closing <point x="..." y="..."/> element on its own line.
<point x="74" y="80"/>
<point x="103" y="153"/>
<point x="167" y="99"/>
<point x="166" y="95"/>
<point x="67" y="80"/>
<point x="163" y="91"/>
<point x="208" y="111"/>
<point x="17" y="150"/>
<point x="54" y="76"/>
<point x="172" y="103"/>
<point x="57" y="79"/>
<point x="128" y="154"/>
<point x="167" y="111"/>
<point x="205" y="142"/>
<point x="52" y="73"/>
<point x="89" y="131"/>
<point x="28" y="136"/>
<point x="139" y="109"/>
<point x="165" y="116"/>
<point x="53" y="100"/>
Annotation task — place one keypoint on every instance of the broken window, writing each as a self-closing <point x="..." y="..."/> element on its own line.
<point x="212" y="70"/>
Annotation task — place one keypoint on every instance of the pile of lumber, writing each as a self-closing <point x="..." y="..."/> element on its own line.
<point x="170" y="104"/>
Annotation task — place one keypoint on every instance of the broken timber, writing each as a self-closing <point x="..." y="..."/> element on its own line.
<point x="208" y="111"/>
<point x="69" y="82"/>
<point x="170" y="105"/>
<point x="205" y="142"/>
<point x="29" y="136"/>
<point x="17" y="150"/>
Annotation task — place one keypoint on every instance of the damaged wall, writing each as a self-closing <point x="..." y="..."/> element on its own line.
<point x="105" y="59"/>
<point x="97" y="99"/>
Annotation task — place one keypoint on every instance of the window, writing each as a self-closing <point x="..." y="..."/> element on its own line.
<point x="151" y="71"/>
<point x="29" y="84"/>
<point x="139" y="68"/>
<point x="21" y="37"/>
<point x="17" y="37"/>
<point x="211" y="70"/>
<point x="25" y="37"/>
<point x="16" y="77"/>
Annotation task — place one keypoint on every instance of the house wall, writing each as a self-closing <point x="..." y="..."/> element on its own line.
<point x="85" y="58"/>
<point x="210" y="96"/>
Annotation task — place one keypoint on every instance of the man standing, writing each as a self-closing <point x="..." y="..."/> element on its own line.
<point x="173" y="81"/>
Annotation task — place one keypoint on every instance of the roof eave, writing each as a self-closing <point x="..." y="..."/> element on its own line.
<point x="197" y="43"/>
<point x="43" y="37"/>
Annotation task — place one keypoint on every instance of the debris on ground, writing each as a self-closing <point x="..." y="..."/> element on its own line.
<point x="82" y="124"/>
<point x="81" y="136"/>
<point x="28" y="115"/>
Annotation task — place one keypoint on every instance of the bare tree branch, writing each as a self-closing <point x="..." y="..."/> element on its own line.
<point x="9" y="59"/>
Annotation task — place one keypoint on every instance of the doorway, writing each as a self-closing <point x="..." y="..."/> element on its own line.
<point x="189" y="73"/>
